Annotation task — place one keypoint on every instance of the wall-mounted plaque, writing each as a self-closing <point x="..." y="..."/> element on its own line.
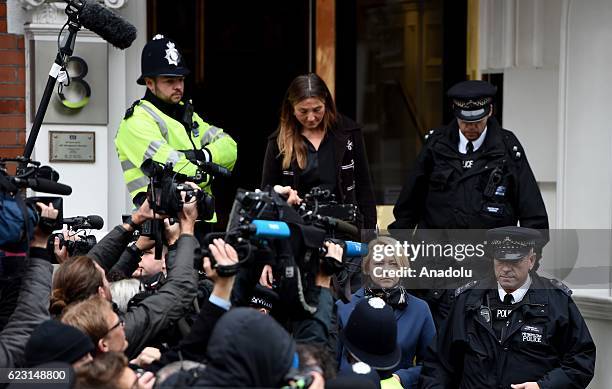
<point x="72" y="146"/>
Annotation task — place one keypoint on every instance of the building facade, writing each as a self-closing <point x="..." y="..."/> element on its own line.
<point x="389" y="63"/>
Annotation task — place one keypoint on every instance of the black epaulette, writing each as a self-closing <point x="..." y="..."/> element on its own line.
<point x="516" y="153"/>
<point x="431" y="134"/>
<point x="465" y="287"/>
<point x="561" y="286"/>
<point x="130" y="111"/>
<point x="513" y="146"/>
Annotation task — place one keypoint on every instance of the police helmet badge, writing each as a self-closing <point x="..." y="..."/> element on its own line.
<point x="172" y="54"/>
<point x="376" y="302"/>
<point x="361" y="368"/>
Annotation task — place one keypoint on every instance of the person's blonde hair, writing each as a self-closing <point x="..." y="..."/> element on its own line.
<point x="400" y="259"/>
<point x="104" y="372"/>
<point x="89" y="316"/>
<point x="290" y="143"/>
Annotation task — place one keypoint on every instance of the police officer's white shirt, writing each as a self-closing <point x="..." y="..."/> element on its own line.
<point x="518" y="294"/>
<point x="463" y="141"/>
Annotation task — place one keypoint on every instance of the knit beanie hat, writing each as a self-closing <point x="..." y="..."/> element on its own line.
<point x="56" y="341"/>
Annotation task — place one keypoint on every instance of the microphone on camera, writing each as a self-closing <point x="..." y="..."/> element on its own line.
<point x="341" y="226"/>
<point x="43" y="185"/>
<point x="215" y="169"/>
<point x="110" y="27"/>
<point x="94" y="222"/>
<point x="269" y="229"/>
<point x="355" y="249"/>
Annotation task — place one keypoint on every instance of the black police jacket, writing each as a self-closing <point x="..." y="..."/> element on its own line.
<point x="546" y="341"/>
<point x="498" y="190"/>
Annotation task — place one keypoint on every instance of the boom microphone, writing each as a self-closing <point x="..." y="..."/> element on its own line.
<point x="112" y="28"/>
<point x="85" y="222"/>
<point x="43" y="185"/>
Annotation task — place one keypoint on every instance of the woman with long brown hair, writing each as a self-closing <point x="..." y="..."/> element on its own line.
<point x="315" y="146"/>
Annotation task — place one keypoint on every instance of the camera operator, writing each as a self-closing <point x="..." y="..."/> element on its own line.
<point x="138" y="259"/>
<point x="318" y="328"/>
<point x="108" y="251"/>
<point x="233" y="349"/>
<point x="193" y="347"/>
<point x="31" y="308"/>
<point x="80" y="277"/>
<point x="61" y="252"/>
<point x="315" y="329"/>
<point x="328" y="215"/>
<point x="148" y="265"/>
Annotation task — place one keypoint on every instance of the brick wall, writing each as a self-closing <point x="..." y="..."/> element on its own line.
<point x="12" y="90"/>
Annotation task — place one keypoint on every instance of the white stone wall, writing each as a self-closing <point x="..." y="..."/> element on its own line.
<point x="98" y="188"/>
<point x="555" y="56"/>
<point x="124" y="70"/>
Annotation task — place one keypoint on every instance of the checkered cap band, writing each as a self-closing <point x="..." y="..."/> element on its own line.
<point x="472" y="104"/>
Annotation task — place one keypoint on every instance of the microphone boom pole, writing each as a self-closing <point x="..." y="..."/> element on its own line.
<point x="64" y="52"/>
<point x="81" y="13"/>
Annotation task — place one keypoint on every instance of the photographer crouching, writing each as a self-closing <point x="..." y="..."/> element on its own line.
<point x="81" y="277"/>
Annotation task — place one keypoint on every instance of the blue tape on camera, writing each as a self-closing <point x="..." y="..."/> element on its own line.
<point x="271" y="229"/>
<point x="355" y="249"/>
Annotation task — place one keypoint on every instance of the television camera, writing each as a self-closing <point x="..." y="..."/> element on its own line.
<point x="264" y="229"/>
<point x="164" y="194"/>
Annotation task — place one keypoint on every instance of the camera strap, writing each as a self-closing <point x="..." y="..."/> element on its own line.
<point x="46" y="225"/>
<point x="6" y="186"/>
<point x="26" y="222"/>
<point x="342" y="290"/>
<point x="187" y="121"/>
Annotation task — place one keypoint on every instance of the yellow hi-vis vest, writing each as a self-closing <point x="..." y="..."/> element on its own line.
<point x="150" y="133"/>
<point x="390" y="383"/>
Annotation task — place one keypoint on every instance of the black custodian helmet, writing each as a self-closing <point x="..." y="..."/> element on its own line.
<point x="161" y="57"/>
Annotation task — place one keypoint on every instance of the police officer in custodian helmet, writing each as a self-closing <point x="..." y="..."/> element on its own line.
<point x="162" y="125"/>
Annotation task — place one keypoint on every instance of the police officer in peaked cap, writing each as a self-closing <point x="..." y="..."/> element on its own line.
<point x="470" y="174"/>
<point x="163" y="126"/>
<point x="515" y="329"/>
